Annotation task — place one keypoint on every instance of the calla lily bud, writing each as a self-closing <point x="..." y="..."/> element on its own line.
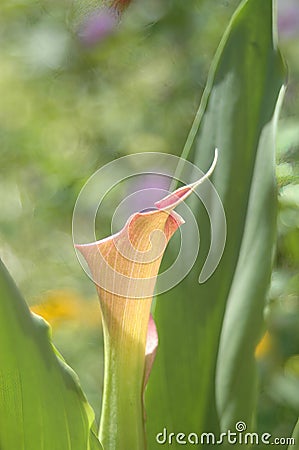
<point x="124" y="268"/>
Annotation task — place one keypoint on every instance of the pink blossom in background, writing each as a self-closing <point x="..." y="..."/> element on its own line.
<point x="148" y="190"/>
<point x="288" y="18"/>
<point x="97" y="26"/>
<point x="102" y="22"/>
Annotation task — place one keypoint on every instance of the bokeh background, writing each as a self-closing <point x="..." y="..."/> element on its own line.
<point x="79" y="88"/>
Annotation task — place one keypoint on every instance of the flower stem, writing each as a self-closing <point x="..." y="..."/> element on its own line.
<point x="122" y="423"/>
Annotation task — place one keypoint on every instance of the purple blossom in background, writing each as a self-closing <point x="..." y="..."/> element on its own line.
<point x="288" y="18"/>
<point x="140" y="196"/>
<point x="148" y="190"/>
<point x="98" y="26"/>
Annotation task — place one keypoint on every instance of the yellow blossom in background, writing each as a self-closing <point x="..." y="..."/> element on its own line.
<point x="264" y="347"/>
<point x="58" y="306"/>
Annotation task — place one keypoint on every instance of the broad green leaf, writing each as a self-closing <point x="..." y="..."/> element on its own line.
<point x="204" y="376"/>
<point x="236" y="367"/>
<point x="42" y="406"/>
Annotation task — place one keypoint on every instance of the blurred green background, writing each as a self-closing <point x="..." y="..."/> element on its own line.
<point x="69" y="105"/>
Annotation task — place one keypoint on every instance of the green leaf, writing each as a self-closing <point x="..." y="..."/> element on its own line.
<point x="295" y="436"/>
<point x="204" y="377"/>
<point x="42" y="406"/>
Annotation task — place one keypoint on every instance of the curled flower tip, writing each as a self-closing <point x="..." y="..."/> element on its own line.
<point x="175" y="198"/>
